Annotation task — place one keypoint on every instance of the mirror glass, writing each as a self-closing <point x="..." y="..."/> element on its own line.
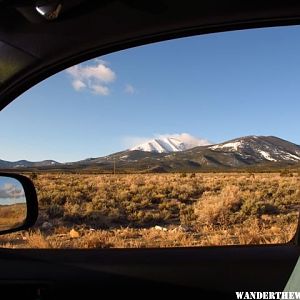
<point x="13" y="209"/>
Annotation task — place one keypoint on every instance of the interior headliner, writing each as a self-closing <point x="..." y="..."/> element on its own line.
<point x="91" y="30"/>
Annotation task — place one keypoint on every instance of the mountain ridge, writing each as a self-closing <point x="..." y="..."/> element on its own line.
<point x="169" y="144"/>
<point x="236" y="153"/>
<point x="246" y="151"/>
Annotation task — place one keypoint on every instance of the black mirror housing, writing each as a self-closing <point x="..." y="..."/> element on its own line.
<point x="30" y="200"/>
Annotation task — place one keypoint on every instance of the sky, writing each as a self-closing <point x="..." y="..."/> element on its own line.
<point x="215" y="87"/>
<point x="11" y="191"/>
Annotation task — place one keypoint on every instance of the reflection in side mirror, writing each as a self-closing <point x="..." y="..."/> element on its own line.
<point x="18" y="203"/>
<point x="13" y="209"/>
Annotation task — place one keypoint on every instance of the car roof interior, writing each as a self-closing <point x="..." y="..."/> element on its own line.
<point x="86" y="29"/>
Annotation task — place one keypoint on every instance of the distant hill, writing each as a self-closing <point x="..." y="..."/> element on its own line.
<point x="240" y="152"/>
<point x="27" y="164"/>
<point x="170" y="155"/>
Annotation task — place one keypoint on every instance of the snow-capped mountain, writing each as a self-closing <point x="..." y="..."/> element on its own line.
<point x="183" y="153"/>
<point x="163" y="145"/>
<point x="171" y="144"/>
<point x="261" y="148"/>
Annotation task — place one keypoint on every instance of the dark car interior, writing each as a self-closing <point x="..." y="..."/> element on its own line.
<point x="37" y="45"/>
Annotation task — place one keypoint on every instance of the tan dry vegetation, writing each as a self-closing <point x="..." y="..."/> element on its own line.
<point x="12" y="216"/>
<point x="162" y="210"/>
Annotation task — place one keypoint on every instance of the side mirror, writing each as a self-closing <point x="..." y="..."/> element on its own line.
<point x="18" y="203"/>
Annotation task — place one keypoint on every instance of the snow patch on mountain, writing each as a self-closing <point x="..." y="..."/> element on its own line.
<point x="171" y="143"/>
<point x="261" y="148"/>
<point x="289" y="156"/>
<point x="164" y="145"/>
<point x="266" y="155"/>
<point x="232" y="145"/>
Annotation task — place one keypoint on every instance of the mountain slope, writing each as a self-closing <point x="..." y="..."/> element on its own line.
<point x="261" y="148"/>
<point x="249" y="151"/>
<point x="170" y="144"/>
<point x="240" y="152"/>
<point x="27" y="164"/>
<point x="164" y="145"/>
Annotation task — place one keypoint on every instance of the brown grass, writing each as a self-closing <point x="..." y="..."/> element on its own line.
<point x="12" y="216"/>
<point x="162" y="210"/>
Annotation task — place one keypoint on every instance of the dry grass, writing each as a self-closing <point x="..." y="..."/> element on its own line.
<point x="12" y="216"/>
<point x="162" y="210"/>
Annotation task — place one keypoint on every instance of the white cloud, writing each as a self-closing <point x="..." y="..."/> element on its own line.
<point x="78" y="84"/>
<point x="95" y="77"/>
<point x="188" y="139"/>
<point x="99" y="72"/>
<point x="132" y="141"/>
<point x="101" y="61"/>
<point x="129" y="89"/>
<point x="9" y="190"/>
<point x="100" y="89"/>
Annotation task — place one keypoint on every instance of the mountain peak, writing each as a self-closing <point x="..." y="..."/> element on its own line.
<point x="162" y="145"/>
<point x="267" y="148"/>
<point x="172" y="143"/>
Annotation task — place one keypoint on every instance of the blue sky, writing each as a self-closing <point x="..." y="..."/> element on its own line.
<point x="11" y="191"/>
<point x="216" y="87"/>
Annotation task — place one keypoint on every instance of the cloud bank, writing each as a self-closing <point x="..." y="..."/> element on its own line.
<point x="94" y="78"/>
<point x="9" y="190"/>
